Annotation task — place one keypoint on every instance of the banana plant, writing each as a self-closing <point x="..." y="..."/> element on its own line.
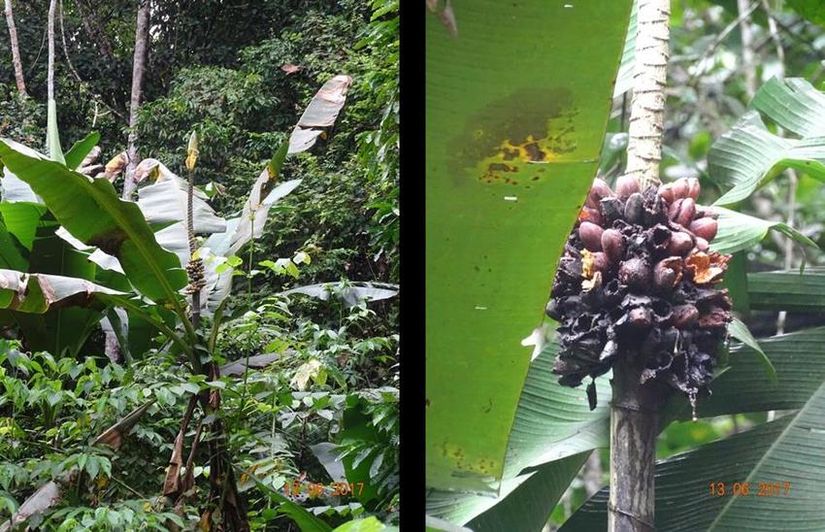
<point x="140" y="247"/>
<point x="81" y="230"/>
<point x="554" y="431"/>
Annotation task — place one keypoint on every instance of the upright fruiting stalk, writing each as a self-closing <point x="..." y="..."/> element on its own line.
<point x="634" y="292"/>
<point x="634" y="406"/>
<point x="225" y="502"/>
<point x="195" y="265"/>
<point x="644" y="146"/>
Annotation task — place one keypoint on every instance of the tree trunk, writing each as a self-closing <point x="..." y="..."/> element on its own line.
<point x="747" y="48"/>
<point x="138" y="66"/>
<point x="647" y="109"/>
<point x="50" y="72"/>
<point x="634" y="407"/>
<point x="15" y="51"/>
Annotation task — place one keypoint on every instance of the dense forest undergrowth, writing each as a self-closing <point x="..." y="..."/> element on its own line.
<point x="308" y="372"/>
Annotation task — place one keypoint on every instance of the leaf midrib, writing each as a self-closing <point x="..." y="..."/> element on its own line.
<point x="139" y="244"/>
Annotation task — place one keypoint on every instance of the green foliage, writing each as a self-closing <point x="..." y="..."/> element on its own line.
<point x="493" y="236"/>
<point x="21" y="118"/>
<point x="331" y="359"/>
<point x="273" y="417"/>
<point x="549" y="428"/>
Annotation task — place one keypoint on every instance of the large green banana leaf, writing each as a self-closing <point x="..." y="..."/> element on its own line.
<point x="80" y="149"/>
<point x="553" y="429"/>
<point x="516" y="113"/>
<point x="91" y="210"/>
<point x="11" y="251"/>
<point x="553" y="422"/>
<point x="780" y="464"/>
<point x="529" y="506"/>
<point x="37" y="293"/>
<point x="63" y="329"/>
<point x="21" y="218"/>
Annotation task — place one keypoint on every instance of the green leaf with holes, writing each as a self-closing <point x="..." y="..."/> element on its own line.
<point x="513" y="142"/>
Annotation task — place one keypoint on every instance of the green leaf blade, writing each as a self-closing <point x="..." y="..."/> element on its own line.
<point x="492" y="244"/>
<point x="93" y="213"/>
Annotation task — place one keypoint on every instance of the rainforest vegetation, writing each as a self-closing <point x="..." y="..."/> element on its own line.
<point x="222" y="356"/>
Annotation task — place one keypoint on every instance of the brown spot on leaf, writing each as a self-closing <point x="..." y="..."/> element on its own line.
<point x="534" y="152"/>
<point x="527" y="126"/>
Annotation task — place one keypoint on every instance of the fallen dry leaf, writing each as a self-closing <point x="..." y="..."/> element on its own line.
<point x="115" y="166"/>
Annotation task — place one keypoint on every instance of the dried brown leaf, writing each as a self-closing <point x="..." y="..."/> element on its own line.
<point x="114" y="435"/>
<point x="115" y="166"/>
<point x="707" y="268"/>
<point x="289" y="68"/>
<point x="171" y="484"/>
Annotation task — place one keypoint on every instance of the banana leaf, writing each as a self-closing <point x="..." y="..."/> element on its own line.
<point x="788" y="290"/>
<point x="92" y="212"/>
<point x="37" y="293"/>
<point x="769" y="478"/>
<point x="516" y="112"/>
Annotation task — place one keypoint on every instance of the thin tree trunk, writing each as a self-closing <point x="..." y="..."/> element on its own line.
<point x="50" y="73"/>
<point x="15" y="51"/>
<point x="747" y="48"/>
<point x="634" y="419"/>
<point x="138" y="66"/>
<point x="634" y="406"/>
